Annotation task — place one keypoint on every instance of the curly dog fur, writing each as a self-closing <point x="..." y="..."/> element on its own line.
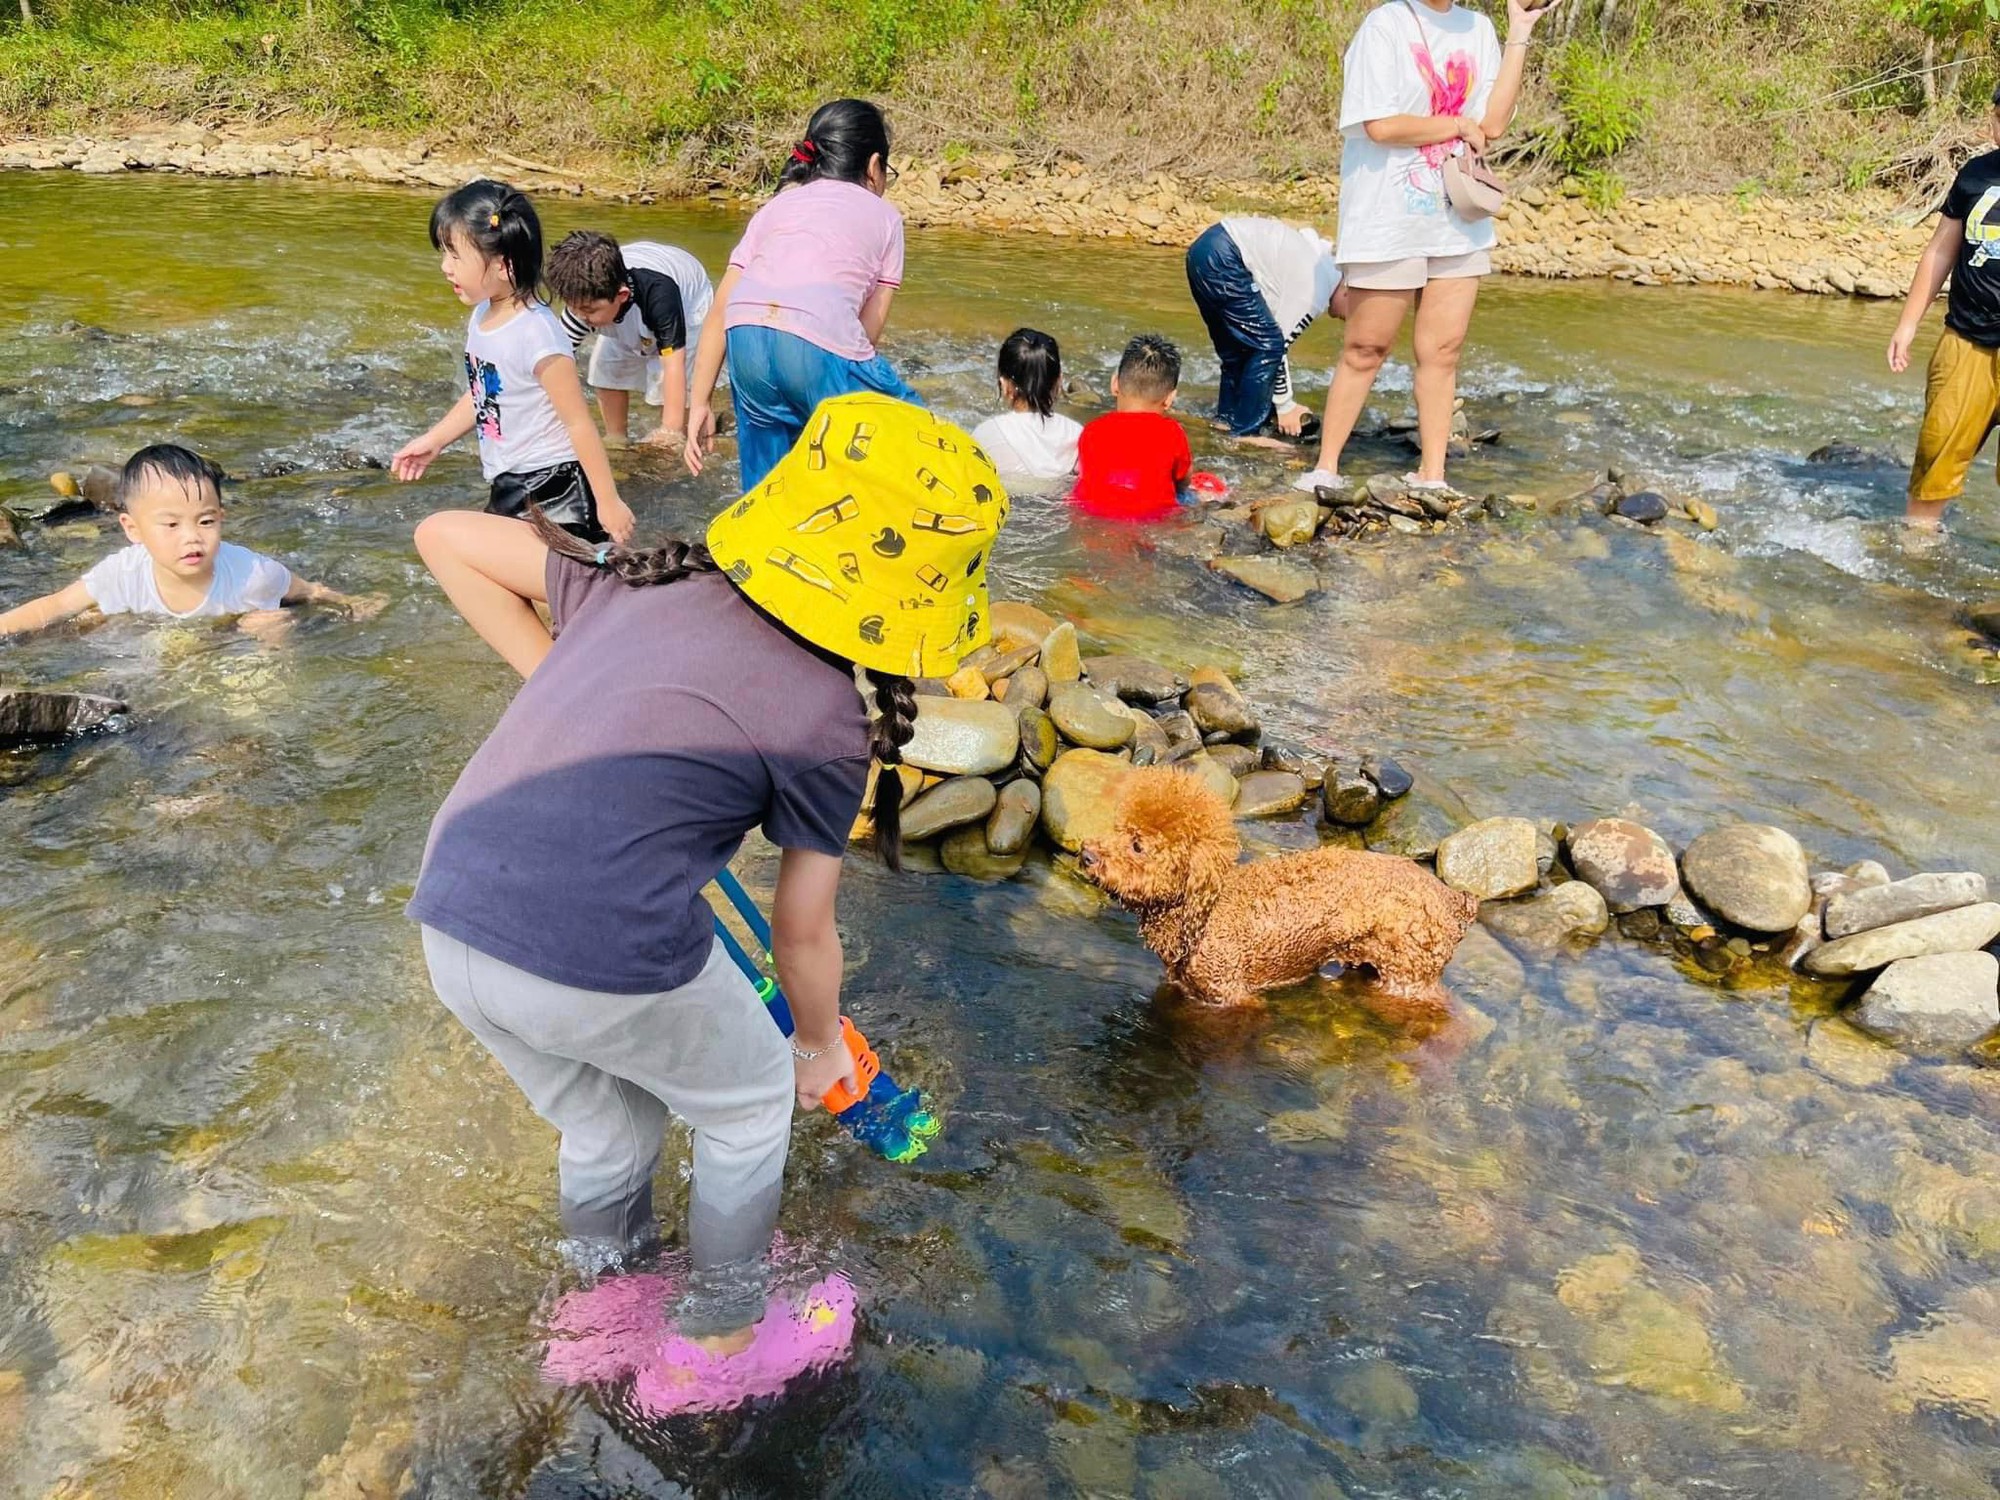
<point x="1226" y="931"/>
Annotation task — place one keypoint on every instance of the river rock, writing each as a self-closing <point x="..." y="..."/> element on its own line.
<point x="1289" y="523"/>
<point x="1349" y="797"/>
<point x="1952" y="1359"/>
<point x="1027" y="688"/>
<point x="1219" y="709"/>
<point x="1490" y="859"/>
<point x="1277" y="580"/>
<point x="1150" y="745"/>
<point x="1017" y="624"/>
<point x="1415" y="824"/>
<point x="1646" y="506"/>
<point x="1267" y="794"/>
<point x="1959" y="931"/>
<point x="1183" y="738"/>
<point x="1082" y="716"/>
<point x="964" y="851"/>
<point x="1134" y="679"/>
<point x="1866" y="907"/>
<point x="64" y="483"/>
<point x="967" y="682"/>
<point x="1702" y="514"/>
<point x="1751" y="875"/>
<point x="1985" y="618"/>
<point x="1039" y="741"/>
<point x="1002" y="663"/>
<point x="1940" y="1000"/>
<point x="1546" y="922"/>
<point x="1015" y="813"/>
<point x="957" y="737"/>
<point x="1061" y="658"/>
<point x="1309" y="768"/>
<point x="10" y="534"/>
<point x="1203" y="767"/>
<point x="26" y="715"/>
<point x="952" y="804"/>
<point x="100" y="487"/>
<point x="1238" y="760"/>
<point x="1080" y="796"/>
<point x="1627" y="864"/>
<point x="1386" y="774"/>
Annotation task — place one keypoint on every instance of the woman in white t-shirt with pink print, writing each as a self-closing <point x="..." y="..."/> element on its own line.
<point x="1421" y="81"/>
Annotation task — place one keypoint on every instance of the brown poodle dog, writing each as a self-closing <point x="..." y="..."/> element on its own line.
<point x="1226" y="931"/>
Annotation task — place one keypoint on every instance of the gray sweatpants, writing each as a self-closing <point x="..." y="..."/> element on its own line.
<point x="606" y="1070"/>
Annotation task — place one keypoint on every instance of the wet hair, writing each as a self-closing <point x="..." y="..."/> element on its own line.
<point x="840" y="139"/>
<point x="497" y="221"/>
<point x="1150" y="367"/>
<point x="586" y="267"/>
<point x="1033" y="363"/>
<point x="894" y="717"/>
<point x="169" y="461"/>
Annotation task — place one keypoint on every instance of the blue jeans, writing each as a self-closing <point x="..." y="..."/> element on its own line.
<point x="1246" y="337"/>
<point x="776" y="380"/>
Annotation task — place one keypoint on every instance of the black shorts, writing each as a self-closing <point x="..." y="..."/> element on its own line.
<point x="560" y="492"/>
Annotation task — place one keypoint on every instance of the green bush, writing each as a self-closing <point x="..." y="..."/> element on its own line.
<point x="1602" y="103"/>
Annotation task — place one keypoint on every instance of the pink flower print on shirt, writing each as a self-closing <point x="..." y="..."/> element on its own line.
<point x="1449" y="94"/>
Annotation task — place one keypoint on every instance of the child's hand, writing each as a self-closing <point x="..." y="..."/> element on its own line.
<point x="700" y="436"/>
<point x="1899" y="348"/>
<point x="814" y="1076"/>
<point x="617" y="518"/>
<point x="1472" y="133"/>
<point x="663" y="437"/>
<point x="414" y="457"/>
<point x="364" y="606"/>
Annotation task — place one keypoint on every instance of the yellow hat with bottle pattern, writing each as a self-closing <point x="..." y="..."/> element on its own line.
<point x="870" y="538"/>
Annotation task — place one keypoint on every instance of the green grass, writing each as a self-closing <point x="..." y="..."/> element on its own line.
<point x="1693" y="93"/>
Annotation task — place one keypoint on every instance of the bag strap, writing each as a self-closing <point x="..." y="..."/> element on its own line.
<point x="1423" y="36"/>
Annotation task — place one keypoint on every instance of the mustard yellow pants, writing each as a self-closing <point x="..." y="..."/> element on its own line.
<point x="1961" y="408"/>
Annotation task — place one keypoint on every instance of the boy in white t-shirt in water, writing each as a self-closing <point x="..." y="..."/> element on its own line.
<point x="170" y="505"/>
<point x="646" y="303"/>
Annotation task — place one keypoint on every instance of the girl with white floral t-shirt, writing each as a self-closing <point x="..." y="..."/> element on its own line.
<point x="1422" y="81"/>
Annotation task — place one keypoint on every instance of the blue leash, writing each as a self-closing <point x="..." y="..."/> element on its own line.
<point x="895" y="1123"/>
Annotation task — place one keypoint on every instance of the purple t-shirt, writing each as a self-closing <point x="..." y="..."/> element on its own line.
<point x="667" y="722"/>
<point x="809" y="260"/>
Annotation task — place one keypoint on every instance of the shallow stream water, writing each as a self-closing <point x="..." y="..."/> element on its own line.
<point x="271" y="1225"/>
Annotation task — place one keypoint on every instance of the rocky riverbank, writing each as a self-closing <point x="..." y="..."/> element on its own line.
<point x="1030" y="742"/>
<point x="1849" y="245"/>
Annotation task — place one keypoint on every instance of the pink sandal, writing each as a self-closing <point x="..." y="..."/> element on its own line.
<point x="797" y="1335"/>
<point x="619" y="1328"/>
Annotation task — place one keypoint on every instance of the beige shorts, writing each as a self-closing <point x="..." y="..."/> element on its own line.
<point x="1411" y="273"/>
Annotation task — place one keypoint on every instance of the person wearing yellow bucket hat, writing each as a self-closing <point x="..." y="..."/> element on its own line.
<point x="560" y="896"/>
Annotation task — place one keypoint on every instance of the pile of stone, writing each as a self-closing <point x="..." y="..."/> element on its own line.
<point x="1031" y="738"/>
<point x="29" y="717"/>
<point x="1744" y="889"/>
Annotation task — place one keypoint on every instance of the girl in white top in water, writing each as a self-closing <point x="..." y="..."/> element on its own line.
<point x="1422" y="80"/>
<point x="537" y="442"/>
<point x="1030" y="441"/>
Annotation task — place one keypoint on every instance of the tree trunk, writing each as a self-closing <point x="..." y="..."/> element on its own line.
<point x="1930" y="72"/>
<point x="27" y="14"/>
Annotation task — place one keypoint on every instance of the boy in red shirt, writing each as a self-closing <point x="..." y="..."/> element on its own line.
<point x="1133" y="461"/>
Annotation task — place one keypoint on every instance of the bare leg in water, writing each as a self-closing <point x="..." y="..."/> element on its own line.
<point x="495" y="570"/>
<point x="1373" y="321"/>
<point x="1444" y="313"/>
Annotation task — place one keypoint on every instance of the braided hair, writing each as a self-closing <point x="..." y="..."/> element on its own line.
<point x="893" y="714"/>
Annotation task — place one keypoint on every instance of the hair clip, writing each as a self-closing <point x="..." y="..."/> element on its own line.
<point x="493" y="220"/>
<point x="805" y="151"/>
